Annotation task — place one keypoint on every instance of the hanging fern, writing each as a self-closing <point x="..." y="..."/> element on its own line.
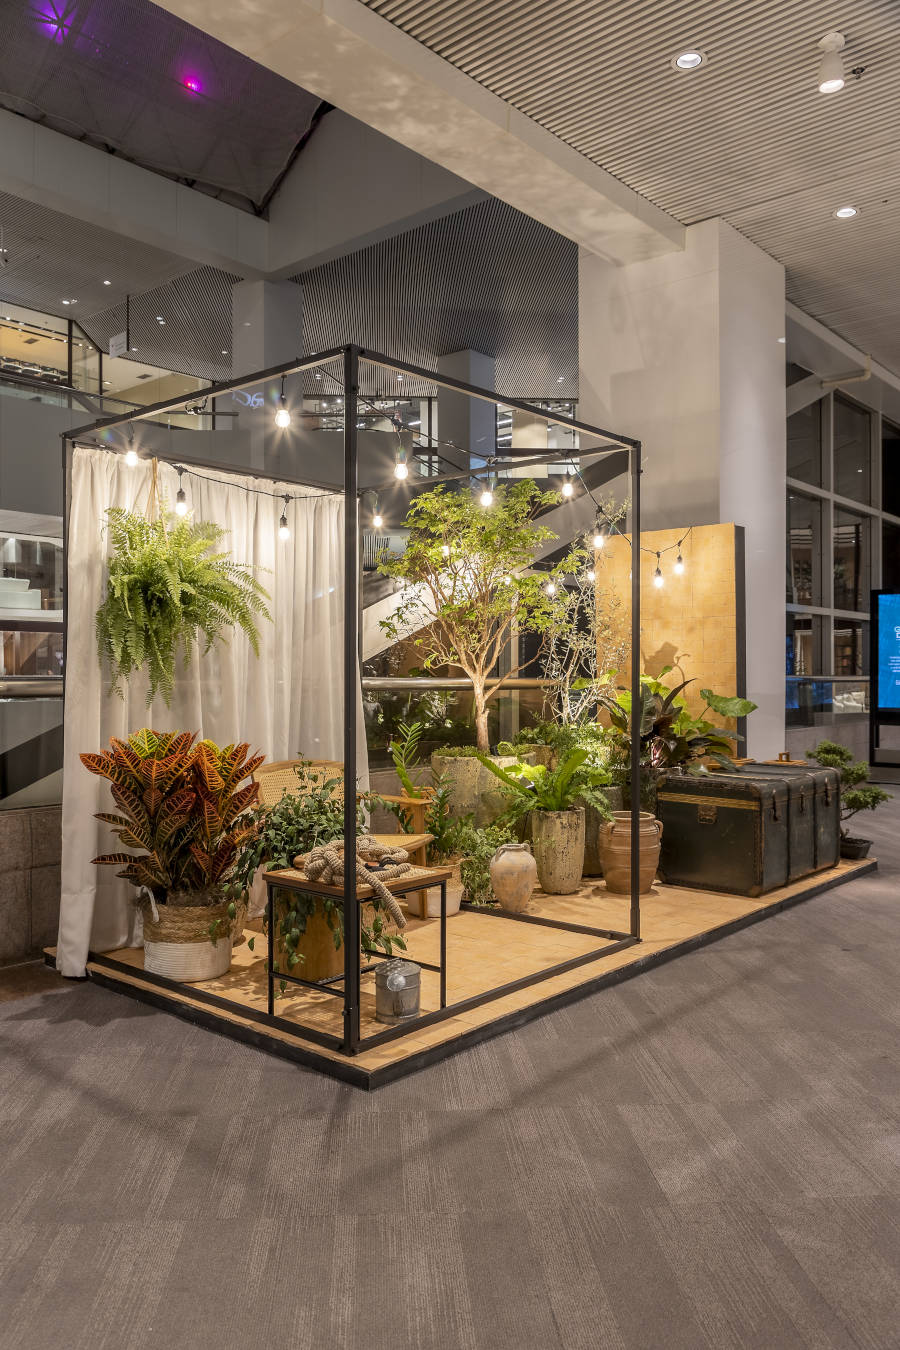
<point x="166" y="588"/>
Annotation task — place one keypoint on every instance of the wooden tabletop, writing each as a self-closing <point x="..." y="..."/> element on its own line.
<point x="416" y="879"/>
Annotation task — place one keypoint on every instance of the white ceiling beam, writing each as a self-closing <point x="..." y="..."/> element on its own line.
<point x="53" y="170"/>
<point x="346" y="54"/>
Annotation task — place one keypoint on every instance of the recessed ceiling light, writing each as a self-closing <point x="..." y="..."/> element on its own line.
<point x="846" y="212"/>
<point x="70" y="302"/>
<point x="782" y="339"/>
<point x="688" y="60"/>
<point x="831" y="68"/>
<point x="107" y="283"/>
<point x="224" y="351"/>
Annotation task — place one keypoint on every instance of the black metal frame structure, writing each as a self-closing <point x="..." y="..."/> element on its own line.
<point x="351" y="1043"/>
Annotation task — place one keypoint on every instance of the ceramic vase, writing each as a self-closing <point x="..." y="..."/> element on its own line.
<point x="513" y="876"/>
<point x="615" y="846"/>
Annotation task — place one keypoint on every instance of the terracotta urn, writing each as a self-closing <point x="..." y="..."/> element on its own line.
<point x="558" y="839"/>
<point x="615" y="847"/>
<point x="513" y="875"/>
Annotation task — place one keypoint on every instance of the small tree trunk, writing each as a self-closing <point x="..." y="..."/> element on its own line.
<point x="481" y="717"/>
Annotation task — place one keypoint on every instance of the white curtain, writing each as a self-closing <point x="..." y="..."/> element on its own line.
<point x="288" y="702"/>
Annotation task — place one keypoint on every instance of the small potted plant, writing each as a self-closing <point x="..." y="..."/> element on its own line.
<point x="185" y="806"/>
<point x="857" y="794"/>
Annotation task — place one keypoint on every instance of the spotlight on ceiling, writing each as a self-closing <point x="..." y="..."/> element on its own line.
<point x="831" y="67"/>
<point x="107" y="283"/>
<point x="688" y="60"/>
<point x="845" y="212"/>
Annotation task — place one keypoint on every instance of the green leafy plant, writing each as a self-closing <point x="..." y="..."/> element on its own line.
<point x="185" y="806"/>
<point x="856" y="793"/>
<point x="404" y="751"/>
<point x="670" y="736"/>
<point x="470" y="590"/>
<point x="476" y="848"/>
<point x="534" y="787"/>
<point x="167" y="589"/>
<point x="295" y="825"/>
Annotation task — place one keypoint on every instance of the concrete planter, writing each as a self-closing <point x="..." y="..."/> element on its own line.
<point x="559" y="849"/>
<point x="473" y="788"/>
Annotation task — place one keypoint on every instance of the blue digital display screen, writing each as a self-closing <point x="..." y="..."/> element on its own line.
<point x="889" y="651"/>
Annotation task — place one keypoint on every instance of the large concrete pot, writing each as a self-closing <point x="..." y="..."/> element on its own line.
<point x="593" y="820"/>
<point x="615" y="845"/>
<point x="559" y="849"/>
<point x="513" y="876"/>
<point x="474" y="790"/>
<point x="461" y="774"/>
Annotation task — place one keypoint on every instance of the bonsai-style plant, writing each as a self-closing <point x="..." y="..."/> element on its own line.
<point x="167" y="589"/>
<point x="857" y="794"/>
<point x="185" y="808"/>
<point x="470" y="595"/>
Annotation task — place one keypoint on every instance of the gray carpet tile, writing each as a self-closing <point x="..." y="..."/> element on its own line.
<point x="706" y="1156"/>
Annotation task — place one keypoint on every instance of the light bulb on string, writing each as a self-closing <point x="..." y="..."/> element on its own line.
<point x="401" y="468"/>
<point x="377" y="521"/>
<point x="592" y="575"/>
<point x="568" y="487"/>
<point x="131" y="458"/>
<point x="282" y="414"/>
<point x="679" y="561"/>
<point x="487" y="496"/>
<point x="658" y="580"/>
<point x="181" y="506"/>
<point x="599" y="536"/>
<point x="283" y="527"/>
<point x="550" y="588"/>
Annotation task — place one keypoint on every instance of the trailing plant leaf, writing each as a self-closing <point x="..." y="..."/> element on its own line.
<point x="167" y="590"/>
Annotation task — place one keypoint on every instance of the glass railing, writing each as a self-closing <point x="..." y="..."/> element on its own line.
<point x="90" y="406"/>
<point x="31" y="742"/>
<point x="445" y="707"/>
<point x="812" y="700"/>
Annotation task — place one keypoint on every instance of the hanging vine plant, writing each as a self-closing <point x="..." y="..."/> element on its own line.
<point x="167" y="588"/>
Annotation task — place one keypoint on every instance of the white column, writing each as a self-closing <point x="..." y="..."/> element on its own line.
<point x="469" y="423"/>
<point x="267" y="324"/>
<point x="682" y="352"/>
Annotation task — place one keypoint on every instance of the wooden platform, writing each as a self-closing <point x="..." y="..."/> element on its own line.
<point x="484" y="949"/>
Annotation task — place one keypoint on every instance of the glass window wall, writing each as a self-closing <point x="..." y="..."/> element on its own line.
<point x="851" y="647"/>
<point x="851" y="545"/>
<point x="852" y="450"/>
<point x="804" y="445"/>
<point x="890" y="557"/>
<point x="804" y="550"/>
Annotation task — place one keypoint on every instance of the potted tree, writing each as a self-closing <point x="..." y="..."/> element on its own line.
<point x="469" y="594"/>
<point x="185" y="806"/>
<point x="553" y="800"/>
<point x="857" y="794"/>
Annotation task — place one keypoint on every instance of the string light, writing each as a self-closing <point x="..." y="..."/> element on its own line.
<point x="401" y="468"/>
<point x="658" y="580"/>
<point x="550" y="588"/>
<point x="131" y="458"/>
<point x="679" y="561"/>
<point x="377" y="521"/>
<point x="592" y="575"/>
<point x="283" y="528"/>
<point x="282" y="414"/>
<point x="487" y="496"/>
<point x="181" y="506"/>
<point x="599" y="536"/>
<point x="568" y="488"/>
<point x="507" y="581"/>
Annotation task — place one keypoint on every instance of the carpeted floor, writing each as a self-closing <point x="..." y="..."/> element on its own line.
<point x="703" y="1157"/>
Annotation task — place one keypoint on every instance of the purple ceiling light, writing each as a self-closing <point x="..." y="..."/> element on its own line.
<point x="55" y="19"/>
<point x="193" y="83"/>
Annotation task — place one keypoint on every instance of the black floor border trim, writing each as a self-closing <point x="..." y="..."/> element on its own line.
<point x="351" y="1072"/>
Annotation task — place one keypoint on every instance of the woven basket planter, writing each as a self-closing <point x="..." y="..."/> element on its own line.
<point x="178" y="943"/>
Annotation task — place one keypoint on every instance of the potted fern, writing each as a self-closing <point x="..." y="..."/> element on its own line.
<point x="554" y="800"/>
<point x="168" y="588"/>
<point x="184" y="805"/>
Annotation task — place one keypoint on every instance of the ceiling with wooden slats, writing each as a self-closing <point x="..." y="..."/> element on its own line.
<point x="747" y="136"/>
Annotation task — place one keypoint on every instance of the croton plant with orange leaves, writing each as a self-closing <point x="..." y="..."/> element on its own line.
<point x="182" y="804"/>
